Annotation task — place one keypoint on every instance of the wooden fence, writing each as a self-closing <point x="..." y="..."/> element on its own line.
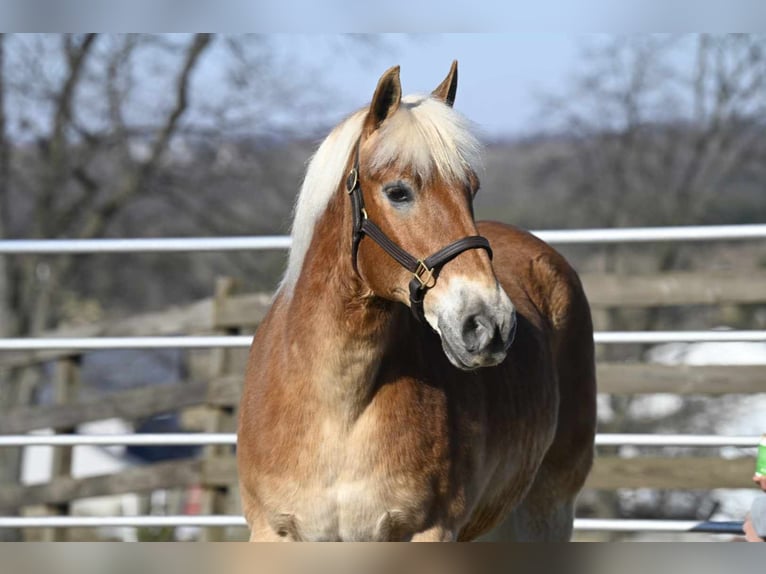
<point x="208" y="400"/>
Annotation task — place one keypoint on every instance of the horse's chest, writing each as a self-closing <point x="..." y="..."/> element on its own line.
<point x="372" y="485"/>
<point x="356" y="510"/>
<point x="350" y="496"/>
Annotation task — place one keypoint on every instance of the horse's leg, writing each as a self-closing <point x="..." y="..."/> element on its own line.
<point x="284" y="528"/>
<point x="545" y="515"/>
<point x="435" y="534"/>
<point x="261" y="530"/>
<point x="266" y="535"/>
<point x="547" y="512"/>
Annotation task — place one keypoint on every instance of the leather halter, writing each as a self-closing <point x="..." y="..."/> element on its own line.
<point x="424" y="271"/>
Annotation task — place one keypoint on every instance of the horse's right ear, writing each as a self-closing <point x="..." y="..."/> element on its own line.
<point x="448" y="88"/>
<point x="388" y="96"/>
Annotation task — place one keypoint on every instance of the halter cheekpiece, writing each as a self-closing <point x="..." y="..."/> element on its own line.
<point x="424" y="271"/>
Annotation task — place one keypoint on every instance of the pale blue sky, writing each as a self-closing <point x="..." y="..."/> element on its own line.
<point x="310" y="81"/>
<point x="500" y="75"/>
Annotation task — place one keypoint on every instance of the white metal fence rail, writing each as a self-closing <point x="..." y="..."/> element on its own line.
<point x="691" y="233"/>
<point x="193" y="439"/>
<point x="581" y="236"/>
<point x="233" y="341"/>
<point x="582" y="524"/>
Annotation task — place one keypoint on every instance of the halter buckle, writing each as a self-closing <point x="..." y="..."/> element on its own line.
<point x="352" y="180"/>
<point x="424" y="275"/>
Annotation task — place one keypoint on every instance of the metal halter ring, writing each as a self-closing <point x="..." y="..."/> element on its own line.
<point x="351" y="180"/>
<point x="424" y="275"/>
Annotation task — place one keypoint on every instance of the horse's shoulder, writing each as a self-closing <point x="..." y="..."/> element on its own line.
<point x="268" y="351"/>
<point x="519" y="246"/>
<point x="530" y="267"/>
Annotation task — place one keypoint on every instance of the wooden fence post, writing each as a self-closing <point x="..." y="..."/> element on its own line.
<point x="218" y="499"/>
<point x="66" y="386"/>
<point x="12" y="392"/>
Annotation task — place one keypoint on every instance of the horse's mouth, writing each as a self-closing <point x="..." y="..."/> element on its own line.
<point x="455" y="359"/>
<point x="466" y="361"/>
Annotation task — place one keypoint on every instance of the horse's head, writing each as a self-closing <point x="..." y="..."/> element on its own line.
<point x="413" y="179"/>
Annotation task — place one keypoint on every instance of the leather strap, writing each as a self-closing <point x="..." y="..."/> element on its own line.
<point x="434" y="263"/>
<point x="425" y="271"/>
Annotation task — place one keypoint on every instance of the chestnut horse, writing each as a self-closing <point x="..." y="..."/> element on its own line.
<point x="433" y="396"/>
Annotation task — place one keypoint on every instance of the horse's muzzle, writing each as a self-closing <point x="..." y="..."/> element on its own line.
<point x="480" y="332"/>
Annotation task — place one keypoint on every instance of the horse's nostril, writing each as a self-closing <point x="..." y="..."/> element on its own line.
<point x="497" y="343"/>
<point x="478" y="332"/>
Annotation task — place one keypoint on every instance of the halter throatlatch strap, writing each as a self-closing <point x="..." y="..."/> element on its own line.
<point x="424" y="271"/>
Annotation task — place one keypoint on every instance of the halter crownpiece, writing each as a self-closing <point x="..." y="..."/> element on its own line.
<point x="424" y="271"/>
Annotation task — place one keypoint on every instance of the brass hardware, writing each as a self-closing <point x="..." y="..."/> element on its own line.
<point x="424" y="275"/>
<point x="351" y="180"/>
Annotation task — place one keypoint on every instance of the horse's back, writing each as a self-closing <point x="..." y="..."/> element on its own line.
<point x="547" y="291"/>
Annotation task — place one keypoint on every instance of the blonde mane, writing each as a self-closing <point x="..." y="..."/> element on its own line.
<point x="424" y="134"/>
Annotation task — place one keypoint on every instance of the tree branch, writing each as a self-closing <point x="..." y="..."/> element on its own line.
<point x="57" y="145"/>
<point x="100" y="217"/>
<point x="115" y="96"/>
<point x="5" y="152"/>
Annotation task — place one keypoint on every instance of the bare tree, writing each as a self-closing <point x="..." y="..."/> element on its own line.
<point x="5" y="150"/>
<point x="662" y="128"/>
<point x="663" y="124"/>
<point x="103" y="124"/>
<point x="63" y="196"/>
<point x="130" y="134"/>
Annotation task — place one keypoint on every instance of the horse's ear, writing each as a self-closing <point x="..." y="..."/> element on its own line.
<point x="388" y="96"/>
<point x="448" y="88"/>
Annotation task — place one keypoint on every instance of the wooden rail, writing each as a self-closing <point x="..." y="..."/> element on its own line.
<point x="163" y="475"/>
<point x="674" y="289"/>
<point x="224" y="391"/>
<point x="609" y="473"/>
<point x="132" y="404"/>
<point x="683" y="473"/>
<point x="647" y="378"/>
<point x="244" y="312"/>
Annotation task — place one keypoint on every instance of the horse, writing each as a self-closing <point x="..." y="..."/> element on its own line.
<point x="428" y="397"/>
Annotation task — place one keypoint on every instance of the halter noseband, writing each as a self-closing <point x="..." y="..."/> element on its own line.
<point x="424" y="271"/>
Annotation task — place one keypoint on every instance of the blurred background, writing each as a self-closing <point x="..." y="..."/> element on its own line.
<point x="209" y="135"/>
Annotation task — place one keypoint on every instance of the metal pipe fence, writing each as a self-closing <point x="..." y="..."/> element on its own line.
<point x="580" y="524"/>
<point x="194" y="439"/>
<point x="244" y="341"/>
<point x="134" y="521"/>
<point x="113" y="343"/>
<point x="691" y="233"/>
<point x="261" y="243"/>
<point x="667" y="526"/>
<point x="143" y="245"/>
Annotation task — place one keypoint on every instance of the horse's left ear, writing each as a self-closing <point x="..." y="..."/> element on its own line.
<point x="388" y="96"/>
<point x="448" y="88"/>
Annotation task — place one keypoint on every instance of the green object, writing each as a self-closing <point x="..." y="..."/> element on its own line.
<point x="760" y="463"/>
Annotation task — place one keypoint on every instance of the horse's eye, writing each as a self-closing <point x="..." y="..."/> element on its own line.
<point x="398" y="193"/>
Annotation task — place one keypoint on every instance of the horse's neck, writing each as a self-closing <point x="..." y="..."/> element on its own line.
<point x="340" y="329"/>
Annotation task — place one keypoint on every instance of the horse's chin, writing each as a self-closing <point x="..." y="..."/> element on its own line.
<point x="466" y="361"/>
